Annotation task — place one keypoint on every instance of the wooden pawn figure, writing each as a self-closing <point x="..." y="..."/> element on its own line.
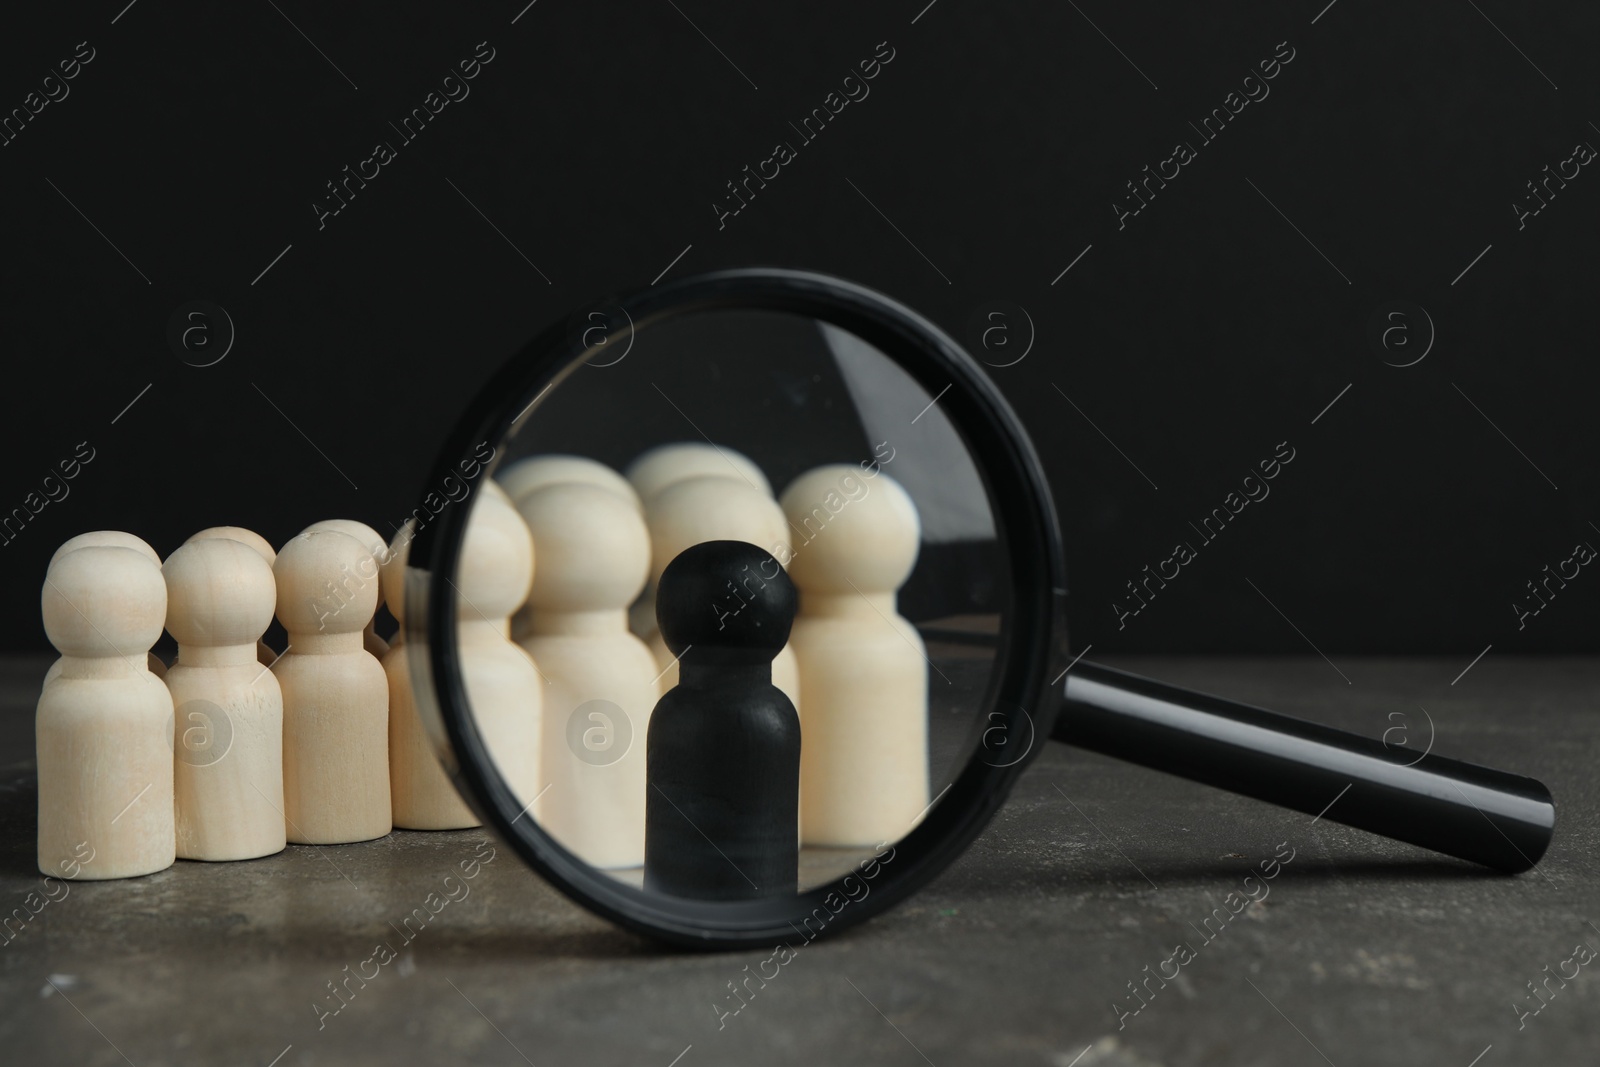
<point x="335" y="695"/>
<point x="265" y="653"/>
<point x="863" y="671"/>
<point x="594" y="557"/>
<point x="714" y="508"/>
<point x="724" y="746"/>
<point x="666" y="465"/>
<point x="113" y="539"/>
<point x="103" y="728"/>
<point x="524" y="477"/>
<point x="421" y="794"/>
<point x="505" y="691"/>
<point x="660" y="468"/>
<point x="229" y="730"/>
<point x="380" y="552"/>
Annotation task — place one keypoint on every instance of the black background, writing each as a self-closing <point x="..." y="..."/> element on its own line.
<point x="1196" y="338"/>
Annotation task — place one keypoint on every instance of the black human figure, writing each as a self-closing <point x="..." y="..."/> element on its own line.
<point x="723" y="750"/>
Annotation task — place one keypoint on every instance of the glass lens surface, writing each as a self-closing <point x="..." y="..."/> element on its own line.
<point x="730" y="619"/>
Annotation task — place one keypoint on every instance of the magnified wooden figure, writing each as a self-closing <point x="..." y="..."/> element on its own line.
<point x="723" y="749"/>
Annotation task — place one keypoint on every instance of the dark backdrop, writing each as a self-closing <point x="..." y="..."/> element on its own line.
<point x="1172" y="350"/>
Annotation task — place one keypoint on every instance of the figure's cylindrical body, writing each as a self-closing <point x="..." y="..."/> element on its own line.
<point x="335" y="694"/>
<point x="730" y="729"/>
<point x="228" y="775"/>
<point x="105" y="772"/>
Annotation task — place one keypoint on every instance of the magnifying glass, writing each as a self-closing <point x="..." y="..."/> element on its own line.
<point x="736" y="606"/>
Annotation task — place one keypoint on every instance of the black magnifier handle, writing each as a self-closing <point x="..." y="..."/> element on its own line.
<point x="1490" y="817"/>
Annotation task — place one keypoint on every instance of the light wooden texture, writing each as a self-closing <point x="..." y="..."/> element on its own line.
<point x="863" y="671"/>
<point x="527" y="476"/>
<point x="228" y="735"/>
<point x="492" y="488"/>
<point x="594" y="557"/>
<point x="335" y="694"/>
<point x="421" y="794"/>
<point x="255" y="541"/>
<point x="265" y="653"/>
<point x="104" y="726"/>
<point x="108" y="539"/>
<point x="375" y="544"/>
<point x="505" y="690"/>
<point x="712" y="508"/>
<point x="665" y="465"/>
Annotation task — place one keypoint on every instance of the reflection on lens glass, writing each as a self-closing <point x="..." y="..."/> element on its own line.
<point x="729" y="621"/>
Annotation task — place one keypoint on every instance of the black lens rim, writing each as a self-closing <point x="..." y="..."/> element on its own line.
<point x="1033" y="647"/>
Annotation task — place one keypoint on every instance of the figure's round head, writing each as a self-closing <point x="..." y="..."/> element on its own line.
<point x="496" y="564"/>
<point x="529" y="475"/>
<point x="327" y="583"/>
<point x="262" y="546"/>
<point x="850" y="533"/>
<point x="712" y="508"/>
<point x="219" y="592"/>
<point x="361" y="532"/>
<point x="103" y="601"/>
<point x="106" y="539"/>
<point x="727" y="600"/>
<point x="666" y="465"/>
<point x="594" y="550"/>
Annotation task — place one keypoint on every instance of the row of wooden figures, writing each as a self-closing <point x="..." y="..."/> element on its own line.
<point x="236" y="749"/>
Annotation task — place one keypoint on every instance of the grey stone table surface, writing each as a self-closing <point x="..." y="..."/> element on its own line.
<point x="1362" y="951"/>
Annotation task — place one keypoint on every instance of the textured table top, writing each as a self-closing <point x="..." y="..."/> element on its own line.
<point x="1365" y="951"/>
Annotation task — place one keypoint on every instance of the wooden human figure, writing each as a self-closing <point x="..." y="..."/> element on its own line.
<point x="524" y="477"/>
<point x="335" y="695"/>
<point x="711" y="507"/>
<point x="420" y="792"/>
<point x="228" y="734"/>
<point x="528" y="475"/>
<point x="114" y="539"/>
<point x="725" y="743"/>
<point x="380" y="551"/>
<point x="665" y="465"/>
<point x="863" y="671"/>
<point x="505" y="691"/>
<point x="265" y="653"/>
<point x="104" y="725"/>
<point x="594" y="555"/>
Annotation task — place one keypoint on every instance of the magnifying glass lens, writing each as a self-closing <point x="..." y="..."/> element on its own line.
<point x="729" y="619"/>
